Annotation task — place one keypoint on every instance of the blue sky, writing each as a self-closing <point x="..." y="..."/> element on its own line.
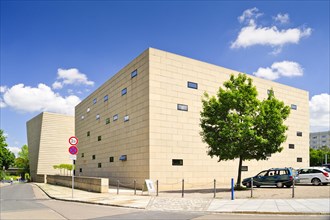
<point x="55" y="53"/>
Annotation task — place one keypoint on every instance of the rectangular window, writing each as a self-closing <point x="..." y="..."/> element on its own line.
<point x="99" y="165"/>
<point x="123" y="157"/>
<point x="323" y="136"/>
<point x="192" y="85"/>
<point x="182" y="107"/>
<point x="291" y="146"/>
<point x="94" y="101"/>
<point x="111" y="159"/>
<point x="88" y="133"/>
<point x="294" y="107"/>
<point x="107" y="121"/>
<point x="315" y="137"/>
<point x="245" y="168"/>
<point x="115" y="117"/>
<point x="126" y="118"/>
<point x="82" y="154"/>
<point x="97" y="117"/>
<point x="299" y="133"/>
<point x="80" y="170"/>
<point x="105" y="98"/>
<point x="177" y="162"/>
<point x="134" y="73"/>
<point x="93" y="157"/>
<point x="299" y="159"/>
<point x="99" y="138"/>
<point x="124" y="91"/>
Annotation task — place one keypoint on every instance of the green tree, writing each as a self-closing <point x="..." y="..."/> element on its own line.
<point x="235" y="124"/>
<point x="7" y="158"/>
<point x="317" y="156"/>
<point x="23" y="159"/>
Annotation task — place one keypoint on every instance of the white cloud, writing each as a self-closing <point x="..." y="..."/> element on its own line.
<point x="41" y="98"/>
<point x="15" y="150"/>
<point x="282" y="18"/>
<point x="278" y="69"/>
<point x="252" y="34"/>
<point x="3" y="89"/>
<point x="70" y="77"/>
<point x="319" y="107"/>
<point x="2" y="103"/>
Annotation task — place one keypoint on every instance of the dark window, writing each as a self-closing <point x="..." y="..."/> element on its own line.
<point x="94" y="101"/>
<point x="182" y="107"/>
<point x="111" y="159"/>
<point x="107" y="121"/>
<point x="99" y="165"/>
<point x="291" y="146"/>
<point x="82" y="154"/>
<point x="177" y="162"/>
<point x="315" y="171"/>
<point x="315" y="137"/>
<point x="115" y="117"/>
<point x="80" y="170"/>
<point x="105" y="98"/>
<point x="299" y="159"/>
<point x="192" y="85"/>
<point x="88" y="133"/>
<point x="124" y="91"/>
<point x="245" y="168"/>
<point x="294" y="107"/>
<point x="99" y="138"/>
<point x="93" y="157"/>
<point x="126" y="118"/>
<point x="134" y="73"/>
<point x="299" y="133"/>
<point x="123" y="157"/>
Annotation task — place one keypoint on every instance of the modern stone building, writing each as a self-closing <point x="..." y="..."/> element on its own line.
<point x="48" y="135"/>
<point x="319" y="139"/>
<point x="143" y="123"/>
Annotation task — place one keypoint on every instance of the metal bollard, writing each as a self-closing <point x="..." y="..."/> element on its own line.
<point x="293" y="188"/>
<point x="117" y="187"/>
<point x="232" y="188"/>
<point x="214" y="188"/>
<point x="251" y="187"/>
<point x="182" y="188"/>
<point x="157" y="188"/>
<point x="134" y="187"/>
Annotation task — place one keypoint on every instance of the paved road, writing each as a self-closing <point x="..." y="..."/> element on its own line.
<point x="25" y="201"/>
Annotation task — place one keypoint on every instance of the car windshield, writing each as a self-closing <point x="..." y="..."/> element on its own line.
<point x="263" y="173"/>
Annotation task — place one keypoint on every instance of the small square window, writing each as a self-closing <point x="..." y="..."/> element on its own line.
<point x="126" y="118"/>
<point x="88" y="133"/>
<point x="124" y="91"/>
<point x="93" y="157"/>
<point x="115" y="117"/>
<point x="299" y="133"/>
<point x="294" y="107"/>
<point x="99" y="165"/>
<point x="97" y="117"/>
<point x="82" y="154"/>
<point x="88" y="110"/>
<point x="315" y="137"/>
<point x="123" y="157"/>
<point x="94" y="101"/>
<point x="299" y="159"/>
<point x="99" y="138"/>
<point x="245" y="168"/>
<point x="111" y="159"/>
<point x="105" y="98"/>
<point x="291" y="146"/>
<point x="192" y="85"/>
<point x="80" y="170"/>
<point x="107" y="121"/>
<point x="182" y="107"/>
<point x="134" y="73"/>
<point x="177" y="162"/>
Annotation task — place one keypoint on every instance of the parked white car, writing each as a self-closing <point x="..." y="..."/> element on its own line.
<point x="314" y="175"/>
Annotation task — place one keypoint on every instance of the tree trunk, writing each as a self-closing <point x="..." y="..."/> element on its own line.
<point x="238" y="183"/>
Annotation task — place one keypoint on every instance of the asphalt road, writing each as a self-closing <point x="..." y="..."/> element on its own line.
<point x="25" y="201"/>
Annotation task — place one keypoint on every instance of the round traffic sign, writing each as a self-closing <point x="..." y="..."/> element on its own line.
<point x="73" y="140"/>
<point x="73" y="150"/>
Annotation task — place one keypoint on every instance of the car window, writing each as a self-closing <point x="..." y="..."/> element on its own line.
<point x="263" y="173"/>
<point x="271" y="173"/>
<point x="282" y="172"/>
<point x="303" y="171"/>
<point x="316" y="171"/>
<point x="327" y="169"/>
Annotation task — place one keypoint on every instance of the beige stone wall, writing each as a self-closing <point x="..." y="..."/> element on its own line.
<point x="118" y="138"/>
<point x="175" y="134"/>
<point x="48" y="135"/>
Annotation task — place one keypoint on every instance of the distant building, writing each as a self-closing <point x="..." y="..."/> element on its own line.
<point x="48" y="135"/>
<point x="319" y="139"/>
<point x="144" y="123"/>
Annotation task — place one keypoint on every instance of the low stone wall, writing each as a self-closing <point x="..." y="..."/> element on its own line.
<point x="91" y="184"/>
<point x="40" y="178"/>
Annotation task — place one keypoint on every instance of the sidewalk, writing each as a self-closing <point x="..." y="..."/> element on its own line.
<point x="261" y="206"/>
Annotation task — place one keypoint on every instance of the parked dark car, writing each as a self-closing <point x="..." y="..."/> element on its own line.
<point x="273" y="177"/>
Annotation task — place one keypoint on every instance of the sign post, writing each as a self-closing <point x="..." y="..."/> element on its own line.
<point x="73" y="150"/>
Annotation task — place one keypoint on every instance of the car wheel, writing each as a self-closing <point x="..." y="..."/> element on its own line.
<point x="316" y="181"/>
<point x="279" y="184"/>
<point x="258" y="186"/>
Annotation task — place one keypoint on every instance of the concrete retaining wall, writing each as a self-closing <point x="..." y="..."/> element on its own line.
<point x="91" y="184"/>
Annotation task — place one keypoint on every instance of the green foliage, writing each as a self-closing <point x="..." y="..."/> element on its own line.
<point x="23" y="160"/>
<point x="317" y="156"/>
<point x="235" y="124"/>
<point x="67" y="167"/>
<point x="7" y="158"/>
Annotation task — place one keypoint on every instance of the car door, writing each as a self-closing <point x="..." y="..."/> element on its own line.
<point x="304" y="176"/>
<point x="261" y="178"/>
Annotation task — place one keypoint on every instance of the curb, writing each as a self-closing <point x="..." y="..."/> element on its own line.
<point x="271" y="213"/>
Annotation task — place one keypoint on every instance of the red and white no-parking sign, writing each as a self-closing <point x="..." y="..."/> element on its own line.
<point x="73" y="150"/>
<point x="73" y="140"/>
